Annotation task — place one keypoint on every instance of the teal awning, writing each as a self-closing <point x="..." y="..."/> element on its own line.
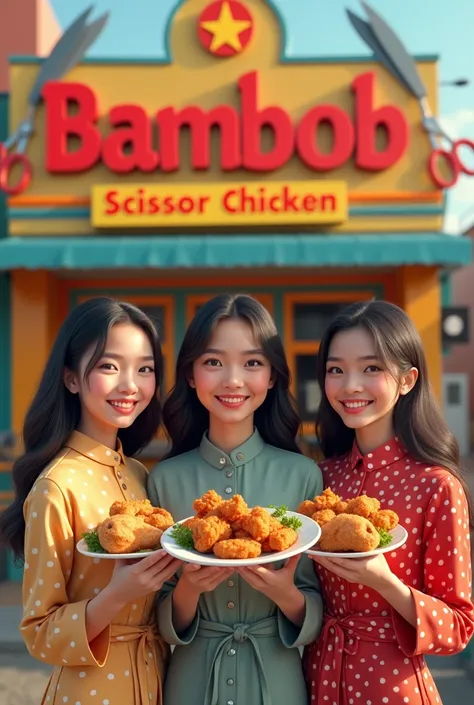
<point x="227" y="251"/>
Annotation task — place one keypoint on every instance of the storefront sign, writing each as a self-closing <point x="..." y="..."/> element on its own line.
<point x="257" y="116"/>
<point x="129" y="144"/>
<point x="226" y="204"/>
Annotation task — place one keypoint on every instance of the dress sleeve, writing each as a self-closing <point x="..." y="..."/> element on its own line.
<point x="307" y="582"/>
<point x="164" y="599"/>
<point x="54" y="629"/>
<point x="444" y="610"/>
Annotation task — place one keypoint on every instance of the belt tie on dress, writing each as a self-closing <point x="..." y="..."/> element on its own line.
<point x="239" y="633"/>
<point x="149" y="677"/>
<point x="340" y="636"/>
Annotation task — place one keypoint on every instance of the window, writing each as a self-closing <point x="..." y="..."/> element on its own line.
<point x="306" y="318"/>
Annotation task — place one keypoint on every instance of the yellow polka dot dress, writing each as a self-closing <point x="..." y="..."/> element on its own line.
<point x="125" y="663"/>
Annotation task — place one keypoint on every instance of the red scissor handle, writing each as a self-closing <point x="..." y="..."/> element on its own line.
<point x="7" y="163"/>
<point x="454" y="166"/>
<point x="470" y="145"/>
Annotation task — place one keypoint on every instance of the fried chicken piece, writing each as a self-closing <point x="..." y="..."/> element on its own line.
<point x="326" y="500"/>
<point x="132" y="507"/>
<point x="124" y="533"/>
<point x="207" y="532"/>
<point x="241" y="534"/>
<point x="237" y="548"/>
<point x="307" y="508"/>
<point x="275" y="524"/>
<point x="323" y="516"/>
<point x="282" y="539"/>
<point x="160" y="518"/>
<point x="207" y="503"/>
<point x="384" y="519"/>
<point x="349" y="532"/>
<point x="192" y="521"/>
<point x="257" y="523"/>
<point x="363" y="506"/>
<point x="233" y="509"/>
<point x="237" y="525"/>
<point x="340" y="507"/>
<point x="214" y="513"/>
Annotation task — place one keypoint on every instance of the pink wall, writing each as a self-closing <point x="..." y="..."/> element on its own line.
<point x="461" y="357"/>
<point x="26" y="27"/>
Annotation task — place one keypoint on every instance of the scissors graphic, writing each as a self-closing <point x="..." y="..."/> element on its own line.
<point x="67" y="53"/>
<point x="389" y="50"/>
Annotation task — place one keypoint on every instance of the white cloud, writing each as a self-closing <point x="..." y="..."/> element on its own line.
<point x="458" y="124"/>
<point x="460" y="203"/>
<point x="451" y="224"/>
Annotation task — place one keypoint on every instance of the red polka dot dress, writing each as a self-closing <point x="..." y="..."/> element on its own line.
<point x="367" y="654"/>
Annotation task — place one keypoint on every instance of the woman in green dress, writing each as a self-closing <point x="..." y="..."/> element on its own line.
<point x="233" y="427"/>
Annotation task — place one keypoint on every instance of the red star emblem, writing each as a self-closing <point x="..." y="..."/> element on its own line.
<point x="225" y="27"/>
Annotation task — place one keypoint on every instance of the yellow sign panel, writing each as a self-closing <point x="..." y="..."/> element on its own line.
<point x="159" y="205"/>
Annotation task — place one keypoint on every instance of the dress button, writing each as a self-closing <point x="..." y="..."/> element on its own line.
<point x="222" y="461"/>
<point x="231" y="583"/>
<point x="124" y="485"/>
<point x="230" y="702"/>
<point x="231" y="605"/>
<point x="240" y="456"/>
<point x="230" y="681"/>
<point x="228" y="490"/>
<point x="229" y="473"/>
<point x="116" y="457"/>
<point x="119" y="474"/>
<point x="231" y="652"/>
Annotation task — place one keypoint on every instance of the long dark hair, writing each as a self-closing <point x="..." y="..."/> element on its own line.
<point x="417" y="419"/>
<point x="55" y="412"/>
<point x="186" y="419"/>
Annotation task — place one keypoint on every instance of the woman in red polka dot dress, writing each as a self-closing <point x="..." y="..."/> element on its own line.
<point x="383" y="436"/>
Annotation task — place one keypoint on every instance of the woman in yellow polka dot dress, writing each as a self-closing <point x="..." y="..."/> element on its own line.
<point x="96" y="403"/>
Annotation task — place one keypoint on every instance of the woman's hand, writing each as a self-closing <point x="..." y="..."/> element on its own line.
<point x="273" y="583"/>
<point x="194" y="580"/>
<point x="279" y="586"/>
<point x="130" y="581"/>
<point x="374" y="571"/>
<point x="137" y="578"/>
<point x="199" y="579"/>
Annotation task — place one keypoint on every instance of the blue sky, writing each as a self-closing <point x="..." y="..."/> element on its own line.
<point x="320" y="27"/>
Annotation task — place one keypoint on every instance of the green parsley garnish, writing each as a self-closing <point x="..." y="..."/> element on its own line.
<point x="92" y="540"/>
<point x="289" y="522"/>
<point x="385" y="538"/>
<point x="279" y="511"/>
<point x="183" y="536"/>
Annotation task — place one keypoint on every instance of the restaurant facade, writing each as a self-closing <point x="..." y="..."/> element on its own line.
<point x="226" y="165"/>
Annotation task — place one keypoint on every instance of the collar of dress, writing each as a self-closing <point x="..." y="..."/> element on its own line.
<point x="378" y="459"/>
<point x="239" y="456"/>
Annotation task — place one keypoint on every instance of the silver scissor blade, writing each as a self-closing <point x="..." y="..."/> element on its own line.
<point x="89" y="37"/>
<point x="53" y="66"/>
<point x="396" y="51"/>
<point x="365" y="31"/>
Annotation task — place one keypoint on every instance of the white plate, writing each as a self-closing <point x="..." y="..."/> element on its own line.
<point x="308" y="534"/>
<point x="399" y="534"/>
<point x="82" y="548"/>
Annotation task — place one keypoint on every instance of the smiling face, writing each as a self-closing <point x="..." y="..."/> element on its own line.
<point x="232" y="378"/>
<point x="119" y="387"/>
<point x="361" y="389"/>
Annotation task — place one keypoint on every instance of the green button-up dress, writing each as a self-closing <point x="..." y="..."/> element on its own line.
<point x="240" y="649"/>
